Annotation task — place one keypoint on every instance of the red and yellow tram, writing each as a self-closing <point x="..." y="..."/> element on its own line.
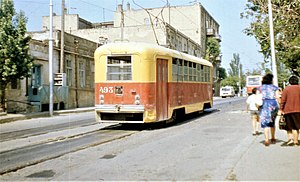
<point x="144" y="83"/>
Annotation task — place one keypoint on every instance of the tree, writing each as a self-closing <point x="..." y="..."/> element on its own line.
<point x="286" y="30"/>
<point x="234" y="65"/>
<point x="222" y="73"/>
<point x="212" y="49"/>
<point x="235" y="73"/>
<point x="15" y="62"/>
<point x="231" y="81"/>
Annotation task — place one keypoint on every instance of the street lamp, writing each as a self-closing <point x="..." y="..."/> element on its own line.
<point x="274" y="67"/>
<point x="51" y="60"/>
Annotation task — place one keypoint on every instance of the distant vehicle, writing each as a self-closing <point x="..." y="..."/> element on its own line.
<point x="253" y="81"/>
<point x="227" y="91"/>
<point x="145" y="83"/>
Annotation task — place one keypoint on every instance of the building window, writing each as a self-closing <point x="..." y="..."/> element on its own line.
<point x="81" y="74"/>
<point x="119" y="68"/>
<point x="69" y="72"/>
<point x="36" y="76"/>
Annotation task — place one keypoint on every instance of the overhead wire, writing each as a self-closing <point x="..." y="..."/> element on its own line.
<point x="151" y="22"/>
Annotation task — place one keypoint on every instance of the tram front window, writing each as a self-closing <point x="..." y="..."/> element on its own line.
<point x="119" y="68"/>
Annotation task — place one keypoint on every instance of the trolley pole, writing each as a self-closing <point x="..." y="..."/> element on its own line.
<point x="274" y="67"/>
<point x="51" y="60"/>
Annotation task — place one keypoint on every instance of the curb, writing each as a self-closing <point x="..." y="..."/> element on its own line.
<point x="15" y="117"/>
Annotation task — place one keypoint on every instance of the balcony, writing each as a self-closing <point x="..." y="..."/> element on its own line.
<point x="210" y="32"/>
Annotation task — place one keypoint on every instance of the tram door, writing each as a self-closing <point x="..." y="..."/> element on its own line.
<point x="162" y="89"/>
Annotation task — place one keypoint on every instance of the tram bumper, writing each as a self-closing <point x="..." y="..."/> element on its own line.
<point x="119" y="113"/>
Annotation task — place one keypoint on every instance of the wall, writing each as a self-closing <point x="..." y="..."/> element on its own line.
<point x="77" y="50"/>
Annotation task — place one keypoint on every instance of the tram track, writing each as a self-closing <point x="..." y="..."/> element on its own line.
<point x="18" y="158"/>
<point x="45" y="129"/>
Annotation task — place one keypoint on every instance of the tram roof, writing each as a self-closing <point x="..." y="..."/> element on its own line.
<point x="139" y="47"/>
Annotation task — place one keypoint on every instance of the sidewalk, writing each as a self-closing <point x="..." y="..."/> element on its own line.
<point x="21" y="116"/>
<point x="273" y="163"/>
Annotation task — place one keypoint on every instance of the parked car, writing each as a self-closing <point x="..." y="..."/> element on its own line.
<point x="227" y="91"/>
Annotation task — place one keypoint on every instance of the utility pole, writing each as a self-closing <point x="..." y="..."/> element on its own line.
<point x="169" y="12"/>
<point x="240" y="82"/>
<point x="51" y="60"/>
<point x="274" y="66"/>
<point x="122" y="22"/>
<point x="62" y="36"/>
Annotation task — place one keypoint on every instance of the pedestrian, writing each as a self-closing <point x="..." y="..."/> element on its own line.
<point x="269" y="107"/>
<point x="254" y="112"/>
<point x="290" y="108"/>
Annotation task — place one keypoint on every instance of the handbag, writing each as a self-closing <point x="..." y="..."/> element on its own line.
<point x="281" y="122"/>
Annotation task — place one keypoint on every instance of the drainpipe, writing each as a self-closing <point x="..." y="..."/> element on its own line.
<point x="76" y="73"/>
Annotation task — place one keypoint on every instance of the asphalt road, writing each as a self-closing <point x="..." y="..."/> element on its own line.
<point x="216" y="145"/>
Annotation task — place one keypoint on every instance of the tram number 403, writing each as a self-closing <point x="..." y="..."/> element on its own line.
<point x="105" y="90"/>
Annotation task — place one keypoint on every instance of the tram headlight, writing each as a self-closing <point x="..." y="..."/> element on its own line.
<point x="101" y="98"/>
<point x="137" y="100"/>
<point x="137" y="97"/>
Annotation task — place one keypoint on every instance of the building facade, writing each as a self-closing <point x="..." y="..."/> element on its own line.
<point x="176" y="27"/>
<point x="73" y="88"/>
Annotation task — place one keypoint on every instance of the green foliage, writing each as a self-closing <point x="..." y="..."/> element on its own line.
<point x="15" y="62"/>
<point x="283" y="75"/>
<point x="222" y="73"/>
<point x="212" y="49"/>
<point x="286" y="21"/>
<point x="231" y="81"/>
<point x="234" y="65"/>
<point x="235" y="74"/>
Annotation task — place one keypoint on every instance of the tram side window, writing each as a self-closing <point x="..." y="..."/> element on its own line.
<point x="206" y="73"/>
<point x="198" y="73"/>
<point x="174" y="69"/>
<point x="194" y="72"/>
<point x="180" y="69"/>
<point x="190" y="71"/>
<point x="177" y="69"/>
<point x="186" y="70"/>
<point x="202" y="74"/>
<point x="119" y="68"/>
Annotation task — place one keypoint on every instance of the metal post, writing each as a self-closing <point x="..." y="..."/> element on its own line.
<point x="168" y="4"/>
<point x="240" y="82"/>
<point x="51" y="60"/>
<point x="274" y="66"/>
<point x="62" y="36"/>
<point x="122" y="22"/>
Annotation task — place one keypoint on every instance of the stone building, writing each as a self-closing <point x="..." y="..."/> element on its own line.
<point x="183" y="28"/>
<point x="74" y="88"/>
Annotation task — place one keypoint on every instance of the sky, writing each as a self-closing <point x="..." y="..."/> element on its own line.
<point x="225" y="12"/>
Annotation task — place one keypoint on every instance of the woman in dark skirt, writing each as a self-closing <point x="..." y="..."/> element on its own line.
<point x="290" y="107"/>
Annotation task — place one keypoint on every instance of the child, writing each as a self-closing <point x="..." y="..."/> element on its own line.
<point x="254" y="111"/>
